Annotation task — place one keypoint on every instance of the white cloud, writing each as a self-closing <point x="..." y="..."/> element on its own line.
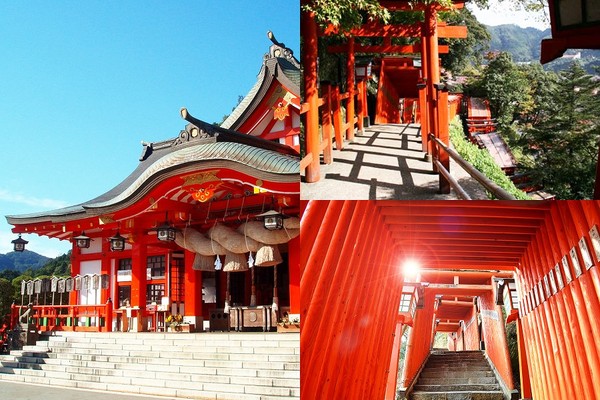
<point x="506" y="12"/>
<point x="31" y="201"/>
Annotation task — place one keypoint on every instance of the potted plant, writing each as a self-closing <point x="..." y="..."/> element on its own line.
<point x="174" y="322"/>
<point x="289" y="323"/>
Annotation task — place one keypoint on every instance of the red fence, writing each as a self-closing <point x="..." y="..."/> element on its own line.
<point x="47" y="318"/>
<point x="334" y="121"/>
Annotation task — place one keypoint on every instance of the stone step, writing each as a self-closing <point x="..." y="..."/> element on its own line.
<point x="457" y="388"/>
<point x="468" y="380"/>
<point x="459" y="373"/>
<point x="457" y="376"/>
<point x="198" y="390"/>
<point x="444" y="370"/>
<point x="204" y="366"/>
<point x="457" y="396"/>
<point x="156" y="357"/>
<point x="462" y="364"/>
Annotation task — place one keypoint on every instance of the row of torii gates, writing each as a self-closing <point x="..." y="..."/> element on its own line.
<point x="541" y="259"/>
<point x="324" y="109"/>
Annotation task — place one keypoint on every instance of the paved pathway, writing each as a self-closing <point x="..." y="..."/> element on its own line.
<point x="385" y="163"/>
<point x="25" y="391"/>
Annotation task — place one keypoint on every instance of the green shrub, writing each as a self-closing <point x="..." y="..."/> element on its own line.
<point x="482" y="160"/>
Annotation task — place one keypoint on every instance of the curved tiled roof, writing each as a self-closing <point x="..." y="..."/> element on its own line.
<point x="200" y="145"/>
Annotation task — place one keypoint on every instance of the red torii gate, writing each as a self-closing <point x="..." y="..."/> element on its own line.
<point x="352" y="283"/>
<point x="432" y="97"/>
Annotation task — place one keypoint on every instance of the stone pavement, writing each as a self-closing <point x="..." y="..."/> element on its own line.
<point x="27" y="391"/>
<point x="385" y="163"/>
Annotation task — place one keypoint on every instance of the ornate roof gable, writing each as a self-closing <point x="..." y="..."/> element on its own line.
<point x="278" y="50"/>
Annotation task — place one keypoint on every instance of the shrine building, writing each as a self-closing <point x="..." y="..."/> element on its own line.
<point x="206" y="227"/>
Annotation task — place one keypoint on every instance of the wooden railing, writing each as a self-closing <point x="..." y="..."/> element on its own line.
<point x="332" y="123"/>
<point x="47" y="318"/>
<point x="490" y="186"/>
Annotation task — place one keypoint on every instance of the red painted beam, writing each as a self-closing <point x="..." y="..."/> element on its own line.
<point x="377" y="29"/>
<point x="385" y="49"/>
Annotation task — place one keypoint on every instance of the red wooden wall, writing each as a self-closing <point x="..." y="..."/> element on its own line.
<point x="419" y="341"/>
<point x="471" y="333"/>
<point x="350" y="295"/>
<point x="387" y="111"/>
<point x="494" y="335"/>
<point x="561" y="326"/>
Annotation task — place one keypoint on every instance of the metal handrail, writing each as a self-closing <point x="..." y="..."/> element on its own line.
<point x="490" y="186"/>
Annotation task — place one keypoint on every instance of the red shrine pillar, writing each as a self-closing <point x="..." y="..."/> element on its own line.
<point x="350" y="88"/>
<point x="294" y="274"/>
<point x="597" y="185"/>
<point x="444" y="136"/>
<point x="431" y="64"/>
<point x="311" y="93"/>
<point x="422" y="87"/>
<point x="523" y="364"/>
<point x="138" y="273"/>
<point x="392" y="378"/>
<point x="75" y="270"/>
<point x="193" y="291"/>
<point x="105" y="269"/>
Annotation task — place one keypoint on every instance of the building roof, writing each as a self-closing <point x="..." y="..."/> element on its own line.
<point x="199" y="146"/>
<point x="280" y="65"/>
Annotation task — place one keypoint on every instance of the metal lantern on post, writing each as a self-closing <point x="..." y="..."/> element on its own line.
<point x="575" y="25"/>
<point x="272" y="220"/>
<point x="117" y="242"/>
<point x="19" y="244"/>
<point x="165" y="232"/>
<point x="362" y="69"/>
<point x="82" y="241"/>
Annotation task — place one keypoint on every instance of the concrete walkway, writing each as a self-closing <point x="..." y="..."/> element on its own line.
<point x="385" y="163"/>
<point x="26" y="391"/>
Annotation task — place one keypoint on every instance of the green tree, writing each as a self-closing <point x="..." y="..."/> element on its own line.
<point x="466" y="52"/>
<point x="346" y="14"/>
<point x="563" y="143"/>
<point x="506" y="87"/>
<point x="16" y="285"/>
<point x="6" y="298"/>
<point x="542" y="91"/>
<point x="60" y="266"/>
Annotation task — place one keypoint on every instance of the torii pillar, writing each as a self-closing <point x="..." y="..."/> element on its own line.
<point x="311" y="93"/>
<point x="431" y="69"/>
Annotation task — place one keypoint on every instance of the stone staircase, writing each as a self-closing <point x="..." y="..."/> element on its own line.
<point x="216" y="366"/>
<point x="464" y="375"/>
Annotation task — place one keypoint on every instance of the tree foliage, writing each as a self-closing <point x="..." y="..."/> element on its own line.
<point x="466" y="52"/>
<point x="482" y="160"/>
<point x="562" y="142"/>
<point x="505" y="85"/>
<point x="553" y="122"/>
<point x="59" y="266"/>
<point x="6" y="297"/>
<point x="346" y="14"/>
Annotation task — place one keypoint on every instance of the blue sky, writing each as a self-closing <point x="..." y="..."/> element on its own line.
<point x="83" y="83"/>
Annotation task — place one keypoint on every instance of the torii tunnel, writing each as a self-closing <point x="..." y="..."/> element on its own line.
<point x="538" y="258"/>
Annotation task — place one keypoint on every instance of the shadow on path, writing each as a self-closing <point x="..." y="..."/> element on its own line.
<point x="386" y="162"/>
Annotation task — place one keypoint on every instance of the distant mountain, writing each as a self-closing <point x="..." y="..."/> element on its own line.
<point x="524" y="45"/>
<point x="22" y="261"/>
